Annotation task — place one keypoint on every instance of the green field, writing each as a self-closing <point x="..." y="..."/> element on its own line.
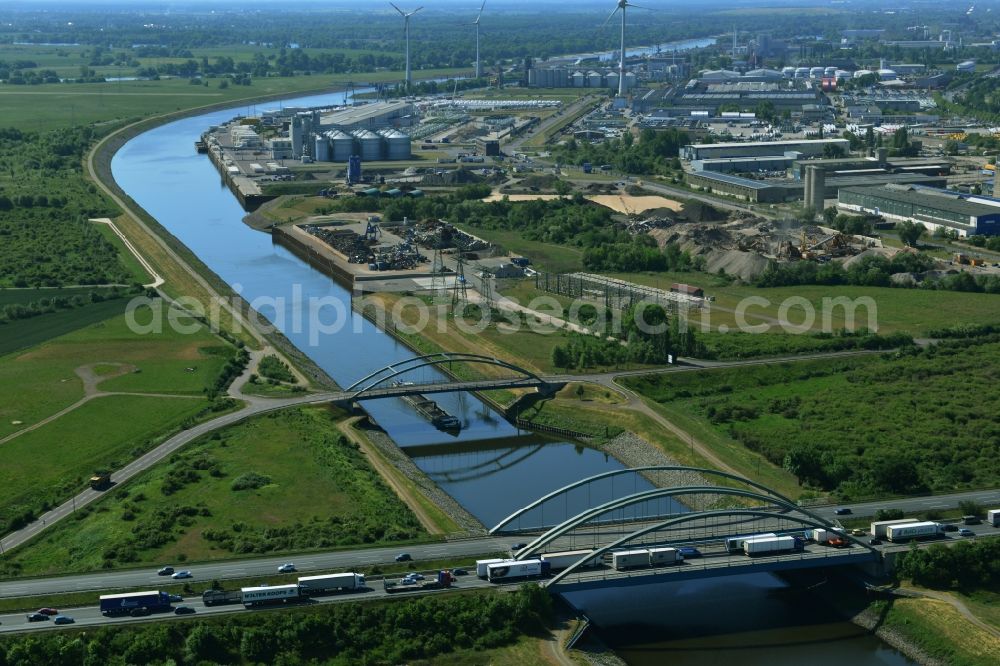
<point x="25" y="296"/>
<point x="319" y="492"/>
<point x="38" y="382"/>
<point x="125" y="256"/>
<point x="25" y="333"/>
<point x="544" y="256"/>
<point x="47" y="465"/>
<point x="865" y="426"/>
<point x="49" y="106"/>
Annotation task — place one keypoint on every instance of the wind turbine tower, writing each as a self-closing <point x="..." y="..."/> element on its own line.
<point x="406" y="28"/>
<point x="622" y="4"/>
<point x="479" y="69"/>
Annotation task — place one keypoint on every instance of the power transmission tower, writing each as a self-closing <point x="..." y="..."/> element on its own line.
<point x="460" y="295"/>
<point x="486" y="288"/>
<point x="437" y="272"/>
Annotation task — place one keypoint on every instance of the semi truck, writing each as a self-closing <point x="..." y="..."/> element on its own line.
<point x="587" y="167"/>
<point x="659" y="556"/>
<point x="913" y="530"/>
<point x="819" y="535"/>
<point x="481" y="566"/>
<point x="516" y="569"/>
<point x="993" y="517"/>
<point x="347" y="582"/>
<point x="443" y="580"/>
<point x="221" y="597"/>
<point x="735" y="544"/>
<point x="563" y="560"/>
<point x="627" y="559"/>
<point x="770" y="545"/>
<point x="123" y="604"/>
<point x="270" y="594"/>
<point x="100" y="480"/>
<point x="878" y="527"/>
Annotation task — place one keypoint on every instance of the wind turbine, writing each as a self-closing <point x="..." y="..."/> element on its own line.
<point x="622" y="4"/>
<point x="406" y="28"/>
<point x="479" y="70"/>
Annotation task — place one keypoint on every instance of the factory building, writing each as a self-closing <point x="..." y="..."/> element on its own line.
<point x="824" y="186"/>
<point x="967" y="215"/>
<point x="368" y="131"/>
<point x="745" y="164"/>
<point x="806" y="148"/>
<point x="373" y="116"/>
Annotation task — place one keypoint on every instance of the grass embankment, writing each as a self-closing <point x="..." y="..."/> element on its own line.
<point x="938" y="630"/>
<point x="284" y="482"/>
<point x="922" y="431"/>
<point x="127" y="260"/>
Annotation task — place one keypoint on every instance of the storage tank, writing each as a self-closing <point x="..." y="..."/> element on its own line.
<point x="801" y="72"/>
<point x="629" y="80"/>
<point x="788" y="72"/>
<point x="830" y="71"/>
<point x="816" y="73"/>
<point x="862" y="72"/>
<point x="397" y="145"/>
<point x="341" y="146"/>
<point x="612" y="80"/>
<point x="322" y="149"/>
<point x="594" y="79"/>
<point x="578" y="79"/>
<point x="296" y="135"/>
<point x="532" y="78"/>
<point x="370" y="145"/>
<point x="561" y="78"/>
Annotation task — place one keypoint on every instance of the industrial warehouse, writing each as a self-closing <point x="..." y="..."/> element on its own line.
<point x="934" y="208"/>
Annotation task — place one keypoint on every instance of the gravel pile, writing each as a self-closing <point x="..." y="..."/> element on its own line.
<point x="634" y="451"/>
<point x="441" y="499"/>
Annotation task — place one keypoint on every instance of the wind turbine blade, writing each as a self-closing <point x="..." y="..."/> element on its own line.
<point x="398" y="9"/>
<point x="415" y="11"/>
<point x="615" y="11"/>
<point x="630" y="5"/>
<point x="481" y="11"/>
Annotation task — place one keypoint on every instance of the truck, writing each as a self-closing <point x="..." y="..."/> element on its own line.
<point x="912" y="530"/>
<point x="588" y="167"/>
<point x="563" y="560"/>
<point x="270" y="594"/>
<point x="516" y="569"/>
<point x="993" y="517"/>
<point x="735" y="544"/>
<point x="221" y="597"/>
<point x="770" y="545"/>
<point x="346" y="582"/>
<point x="443" y="580"/>
<point x="819" y="535"/>
<point x="100" y="480"/>
<point x="878" y="528"/>
<point x="659" y="556"/>
<point x="627" y="559"/>
<point x="113" y="605"/>
<point x="481" y="566"/>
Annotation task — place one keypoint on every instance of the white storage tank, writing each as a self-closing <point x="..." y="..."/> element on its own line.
<point x="397" y="145"/>
<point x="830" y="71"/>
<point x="578" y="79"/>
<point x="612" y="80"/>
<point x="322" y="149"/>
<point x="370" y="145"/>
<point x="801" y="72"/>
<point x="816" y="73"/>
<point x="788" y="72"/>
<point x="594" y="79"/>
<point x="341" y="146"/>
<point x="629" y="80"/>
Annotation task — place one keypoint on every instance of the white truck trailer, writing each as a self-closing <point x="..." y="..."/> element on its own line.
<point x="735" y="544"/>
<point x="766" y="545"/>
<point x="563" y="560"/>
<point x="878" y="527"/>
<point x="267" y="594"/>
<point x="482" y="565"/>
<point x="331" y="583"/>
<point x="906" y="532"/>
<point x="993" y="517"/>
<point x="515" y="569"/>
<point x="627" y="559"/>
<point x="659" y="556"/>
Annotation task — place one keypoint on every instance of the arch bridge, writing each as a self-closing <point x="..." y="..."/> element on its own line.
<point x="703" y="518"/>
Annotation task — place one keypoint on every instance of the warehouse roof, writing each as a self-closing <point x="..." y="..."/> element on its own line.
<point x="360" y="114"/>
<point x="929" y="197"/>
<point x="794" y="142"/>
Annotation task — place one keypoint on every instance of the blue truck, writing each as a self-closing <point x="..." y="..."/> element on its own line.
<point x="124" y="604"/>
<point x="587" y="167"/>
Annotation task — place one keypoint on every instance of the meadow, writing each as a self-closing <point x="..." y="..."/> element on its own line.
<point x="284" y="482"/>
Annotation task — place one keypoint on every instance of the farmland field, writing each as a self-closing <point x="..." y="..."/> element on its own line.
<point x="283" y="482"/>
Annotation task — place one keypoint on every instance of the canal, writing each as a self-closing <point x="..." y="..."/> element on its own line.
<point x="489" y="467"/>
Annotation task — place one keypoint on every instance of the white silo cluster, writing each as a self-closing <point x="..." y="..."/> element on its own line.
<point x="244" y="136"/>
<point x="557" y="77"/>
<point x="383" y="144"/>
<point x="817" y="72"/>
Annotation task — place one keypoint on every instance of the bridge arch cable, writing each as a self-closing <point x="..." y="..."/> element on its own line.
<point x="617" y="472"/>
<point x="396" y="370"/>
<point x="588" y="515"/>
<point x="600" y="552"/>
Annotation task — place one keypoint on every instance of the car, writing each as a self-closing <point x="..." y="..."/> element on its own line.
<point x="288" y="567"/>
<point x="175" y="598"/>
<point x="165" y="571"/>
<point x="459" y="572"/>
<point x="48" y="611"/>
<point x="951" y="527"/>
<point x="403" y="557"/>
<point x="415" y="576"/>
<point x="874" y="542"/>
<point x="181" y="574"/>
<point x="965" y="531"/>
<point x="843" y="512"/>
<point x="688" y="552"/>
<point x="183" y="610"/>
<point x="518" y="546"/>
<point x="142" y="611"/>
<point x="37" y="617"/>
<point x="64" y="619"/>
<point x="857" y="532"/>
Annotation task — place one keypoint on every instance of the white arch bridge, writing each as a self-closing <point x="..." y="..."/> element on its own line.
<point x="702" y="514"/>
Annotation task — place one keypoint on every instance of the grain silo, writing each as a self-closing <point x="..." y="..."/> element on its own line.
<point x="321" y="153"/>
<point x="802" y="72"/>
<point x="830" y="71"/>
<point x="397" y="145"/>
<point x="815" y="188"/>
<point x="816" y="73"/>
<point x="594" y="79"/>
<point x="341" y="146"/>
<point x="788" y="72"/>
<point x="578" y="79"/>
<point x="370" y="145"/>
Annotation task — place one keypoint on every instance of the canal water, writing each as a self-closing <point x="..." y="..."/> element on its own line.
<point x="490" y="468"/>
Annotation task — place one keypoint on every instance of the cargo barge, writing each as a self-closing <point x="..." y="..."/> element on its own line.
<point x="430" y="410"/>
